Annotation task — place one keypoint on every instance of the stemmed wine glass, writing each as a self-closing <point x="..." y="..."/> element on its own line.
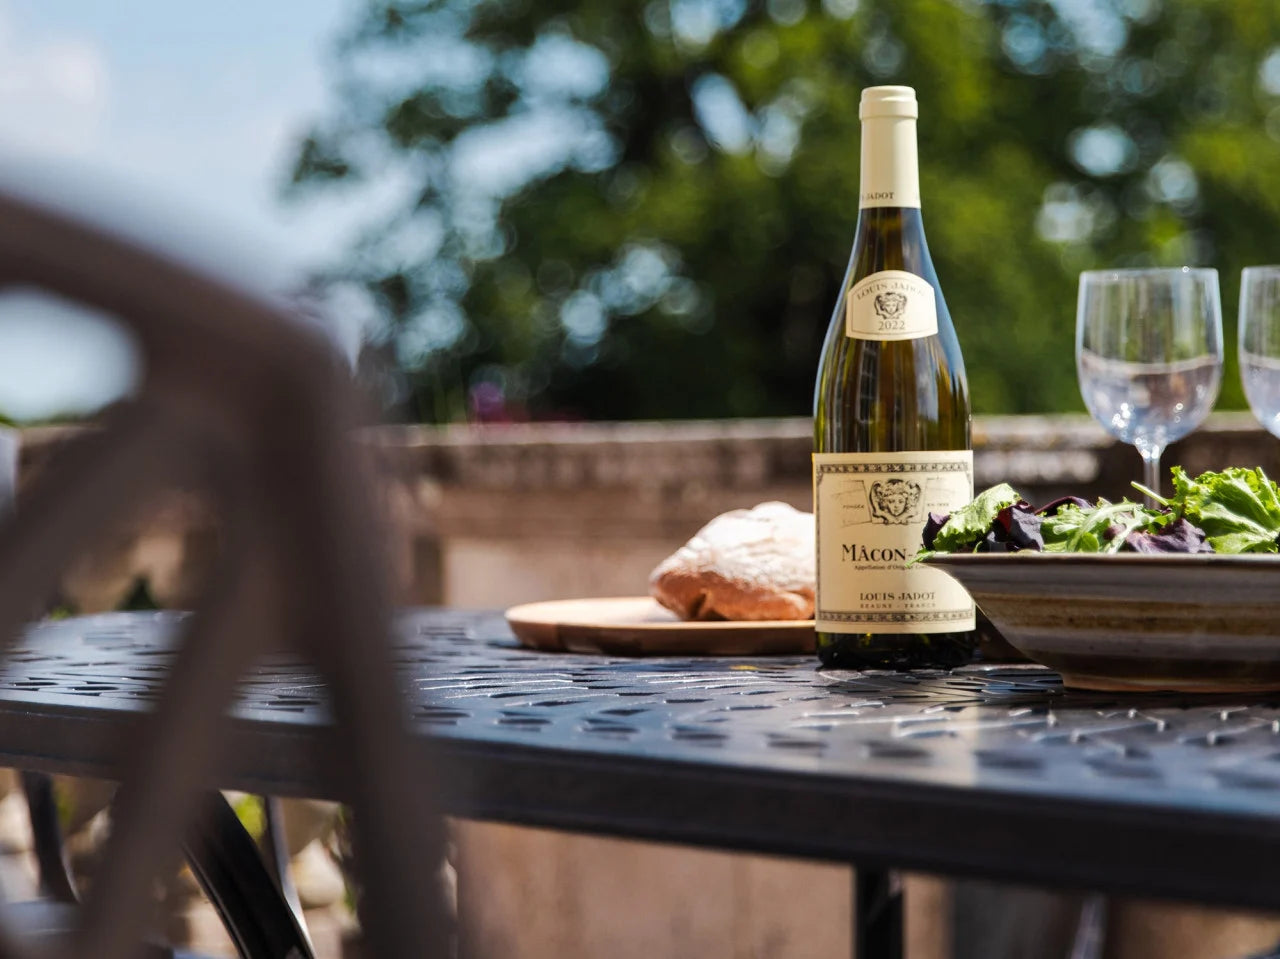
<point x="1149" y="355"/>
<point x="1260" y="343"/>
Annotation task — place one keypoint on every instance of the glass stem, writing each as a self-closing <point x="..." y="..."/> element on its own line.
<point x="1151" y="470"/>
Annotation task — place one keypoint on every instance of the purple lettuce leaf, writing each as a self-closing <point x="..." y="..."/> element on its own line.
<point x="1179" y="536"/>
<point x="934" y="523"/>
<point x="1051" y="508"/>
<point x="1021" y="527"/>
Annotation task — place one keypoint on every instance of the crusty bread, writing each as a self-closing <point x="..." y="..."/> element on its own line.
<point x="744" y="564"/>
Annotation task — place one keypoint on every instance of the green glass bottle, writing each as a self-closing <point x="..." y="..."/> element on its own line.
<point x="891" y="424"/>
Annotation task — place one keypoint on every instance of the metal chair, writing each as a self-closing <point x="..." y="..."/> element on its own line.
<point x="243" y="399"/>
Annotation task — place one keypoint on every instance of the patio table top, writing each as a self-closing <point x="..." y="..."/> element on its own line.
<point x="994" y="770"/>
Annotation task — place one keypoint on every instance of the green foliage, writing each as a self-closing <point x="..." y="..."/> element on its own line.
<point x="252" y="813"/>
<point x="139" y="597"/>
<point x="672" y="242"/>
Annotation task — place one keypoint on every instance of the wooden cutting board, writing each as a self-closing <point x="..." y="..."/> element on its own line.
<point x="638" y="626"/>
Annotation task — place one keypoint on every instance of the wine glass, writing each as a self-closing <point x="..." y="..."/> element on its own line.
<point x="1149" y="355"/>
<point x="1260" y="343"/>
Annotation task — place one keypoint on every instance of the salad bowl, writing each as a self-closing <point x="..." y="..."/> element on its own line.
<point x="1128" y="621"/>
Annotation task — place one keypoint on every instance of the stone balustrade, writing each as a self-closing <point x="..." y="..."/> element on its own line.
<point x="488" y="516"/>
<point x="496" y="515"/>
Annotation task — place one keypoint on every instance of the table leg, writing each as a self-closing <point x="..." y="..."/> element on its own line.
<point x="276" y="856"/>
<point x="46" y="830"/>
<point x="225" y="860"/>
<point x="229" y="867"/>
<point x="1091" y="931"/>
<point x="877" y="914"/>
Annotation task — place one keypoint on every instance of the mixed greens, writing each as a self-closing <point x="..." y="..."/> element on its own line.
<point x="1233" y="511"/>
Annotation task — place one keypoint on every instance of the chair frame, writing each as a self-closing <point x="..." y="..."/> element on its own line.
<point x="244" y="399"/>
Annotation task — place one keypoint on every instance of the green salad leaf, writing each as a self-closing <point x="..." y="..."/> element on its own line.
<point x="1237" y="508"/>
<point x="969" y="524"/>
<point x="1104" y="528"/>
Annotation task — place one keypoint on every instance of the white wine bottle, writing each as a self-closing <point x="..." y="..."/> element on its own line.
<point x="891" y="424"/>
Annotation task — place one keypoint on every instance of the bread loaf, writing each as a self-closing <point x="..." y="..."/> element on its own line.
<point x="745" y="564"/>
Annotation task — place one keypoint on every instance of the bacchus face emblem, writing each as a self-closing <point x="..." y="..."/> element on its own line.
<point x="894" y="501"/>
<point x="890" y="306"/>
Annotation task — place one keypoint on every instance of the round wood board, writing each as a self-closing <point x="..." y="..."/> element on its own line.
<point x="638" y="626"/>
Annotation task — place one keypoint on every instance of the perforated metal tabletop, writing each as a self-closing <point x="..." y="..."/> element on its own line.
<point x="987" y="770"/>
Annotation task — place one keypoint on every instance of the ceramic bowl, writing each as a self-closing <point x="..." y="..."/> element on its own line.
<point x="1192" y="623"/>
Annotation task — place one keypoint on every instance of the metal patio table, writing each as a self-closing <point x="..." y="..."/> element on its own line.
<point x="987" y="771"/>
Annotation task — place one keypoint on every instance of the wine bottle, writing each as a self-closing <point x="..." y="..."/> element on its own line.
<point x="891" y="424"/>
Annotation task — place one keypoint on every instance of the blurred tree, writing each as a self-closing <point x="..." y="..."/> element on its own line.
<point x="642" y="208"/>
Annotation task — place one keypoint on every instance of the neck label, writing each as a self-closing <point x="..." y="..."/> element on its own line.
<point x="890" y="171"/>
<point x="891" y="305"/>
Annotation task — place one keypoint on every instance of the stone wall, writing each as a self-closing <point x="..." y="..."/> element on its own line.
<point x="490" y="516"/>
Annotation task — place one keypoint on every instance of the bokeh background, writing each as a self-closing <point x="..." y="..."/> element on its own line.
<point x="642" y="208"/>
<point x="621" y="209"/>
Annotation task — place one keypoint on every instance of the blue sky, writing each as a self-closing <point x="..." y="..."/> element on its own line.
<point x="196" y="102"/>
<point x="190" y="107"/>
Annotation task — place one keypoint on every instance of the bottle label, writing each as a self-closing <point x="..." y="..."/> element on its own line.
<point x="870" y="510"/>
<point x="891" y="305"/>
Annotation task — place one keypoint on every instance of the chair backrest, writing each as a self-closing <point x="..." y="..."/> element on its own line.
<point x="250" y="402"/>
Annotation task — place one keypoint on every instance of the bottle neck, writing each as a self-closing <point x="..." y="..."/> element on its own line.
<point x="890" y="171"/>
